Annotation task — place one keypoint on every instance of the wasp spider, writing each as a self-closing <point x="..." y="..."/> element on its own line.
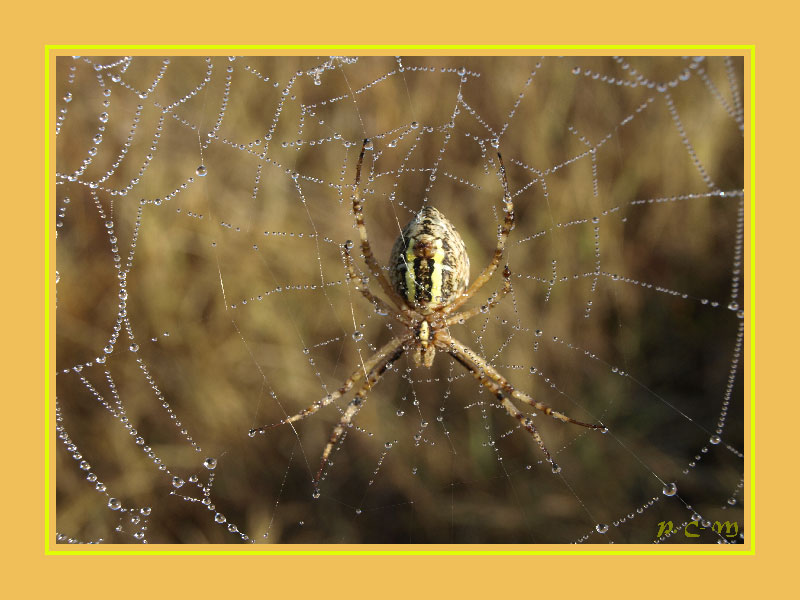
<point x="427" y="284"/>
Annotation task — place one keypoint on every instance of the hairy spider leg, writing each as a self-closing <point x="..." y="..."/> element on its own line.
<point x="377" y="302"/>
<point x="505" y="229"/>
<point x="477" y="364"/>
<point x="366" y="249"/>
<point x="494" y="301"/>
<point x="355" y="405"/>
<point x="502" y="389"/>
<point x="376" y="361"/>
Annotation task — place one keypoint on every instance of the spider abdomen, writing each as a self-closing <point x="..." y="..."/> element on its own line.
<point x="429" y="266"/>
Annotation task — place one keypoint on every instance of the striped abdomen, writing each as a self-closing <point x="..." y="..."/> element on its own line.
<point x="429" y="266"/>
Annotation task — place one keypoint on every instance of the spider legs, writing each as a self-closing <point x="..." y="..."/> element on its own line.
<point x="354" y="406"/>
<point x="361" y="287"/>
<point x="487" y="373"/>
<point x="366" y="249"/>
<point x="351" y="411"/>
<point x="375" y="364"/>
<point x="489" y="377"/>
<point x="527" y="423"/>
<point x="495" y="300"/>
<point x="505" y="229"/>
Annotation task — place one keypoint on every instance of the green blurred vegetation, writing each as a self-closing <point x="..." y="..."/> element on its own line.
<point x="205" y="273"/>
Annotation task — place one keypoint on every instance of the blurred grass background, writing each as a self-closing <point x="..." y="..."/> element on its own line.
<point x="237" y="300"/>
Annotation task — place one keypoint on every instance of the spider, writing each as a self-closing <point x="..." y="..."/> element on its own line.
<point x="427" y="284"/>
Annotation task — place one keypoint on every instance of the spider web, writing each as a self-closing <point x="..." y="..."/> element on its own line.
<point x="201" y="205"/>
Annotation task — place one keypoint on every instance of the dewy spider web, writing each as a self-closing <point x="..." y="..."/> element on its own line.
<point x="201" y="205"/>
